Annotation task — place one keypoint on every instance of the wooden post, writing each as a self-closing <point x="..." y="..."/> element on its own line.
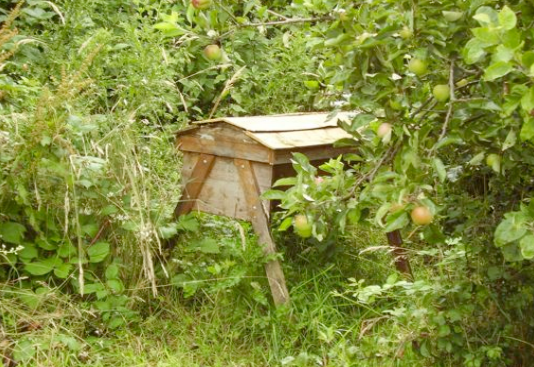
<point x="193" y="187"/>
<point x="260" y="223"/>
<point x="401" y="260"/>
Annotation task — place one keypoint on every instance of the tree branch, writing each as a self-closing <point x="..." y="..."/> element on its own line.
<point x="451" y="102"/>
<point x="287" y="21"/>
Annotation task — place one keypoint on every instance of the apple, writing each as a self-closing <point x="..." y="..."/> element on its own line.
<point x="383" y="130"/>
<point x="406" y="33"/>
<point x="201" y="4"/>
<point x="421" y="215"/>
<point x="302" y="227"/>
<point x="213" y="52"/>
<point x="417" y="66"/>
<point x="442" y="92"/>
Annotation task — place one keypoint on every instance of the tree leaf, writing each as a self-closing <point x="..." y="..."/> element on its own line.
<point x="439" y="167"/>
<point x="98" y="252"/>
<point x="507" y="18"/>
<point x="527" y="246"/>
<point x="497" y="70"/>
<point x="510" y="140"/>
<point x="510" y="229"/>
<point x="527" y="130"/>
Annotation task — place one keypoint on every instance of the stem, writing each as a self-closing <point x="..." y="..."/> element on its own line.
<point x="451" y="102"/>
<point x="288" y="21"/>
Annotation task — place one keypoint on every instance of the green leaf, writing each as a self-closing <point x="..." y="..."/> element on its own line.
<point x="510" y="140"/>
<point x="273" y="195"/>
<point x="512" y="252"/>
<point x="98" y="252"/>
<point x="62" y="271"/>
<point x="115" y="285"/>
<point x="112" y="271"/>
<point x="497" y="70"/>
<point x="527" y="246"/>
<point x="286" y="223"/>
<point x="396" y="221"/>
<point x="510" y="229"/>
<point x="187" y="223"/>
<point x="439" y="167"/>
<point x="42" y="267"/>
<point x="487" y="35"/>
<point x="28" y="252"/>
<point x="12" y="232"/>
<point x="286" y="181"/>
<point x="167" y="231"/>
<point x="527" y="101"/>
<point x="527" y="130"/>
<point x="507" y="18"/>
<point x="474" y="50"/>
<point x="206" y="246"/>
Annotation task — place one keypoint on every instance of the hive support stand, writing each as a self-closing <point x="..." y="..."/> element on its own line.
<point x="256" y="213"/>
<point x="260" y="223"/>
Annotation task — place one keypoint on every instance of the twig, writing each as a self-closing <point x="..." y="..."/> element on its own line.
<point x="229" y="84"/>
<point x="288" y="21"/>
<point x="451" y="102"/>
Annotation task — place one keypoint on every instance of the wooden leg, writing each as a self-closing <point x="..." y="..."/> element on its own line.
<point x="260" y="223"/>
<point x="401" y="260"/>
<point x="194" y="186"/>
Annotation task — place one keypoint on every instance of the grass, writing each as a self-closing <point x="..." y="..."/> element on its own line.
<point x="224" y="327"/>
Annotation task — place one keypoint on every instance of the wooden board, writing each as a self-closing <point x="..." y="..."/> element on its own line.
<point x="223" y="141"/>
<point x="299" y="139"/>
<point x="287" y="122"/>
<point x="221" y="192"/>
<point x="260" y="222"/>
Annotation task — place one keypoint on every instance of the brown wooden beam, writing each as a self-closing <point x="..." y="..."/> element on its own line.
<point x="260" y="223"/>
<point x="193" y="187"/>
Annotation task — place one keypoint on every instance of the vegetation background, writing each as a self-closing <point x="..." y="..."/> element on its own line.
<point x="91" y="93"/>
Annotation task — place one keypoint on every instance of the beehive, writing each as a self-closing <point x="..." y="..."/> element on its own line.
<point x="229" y="162"/>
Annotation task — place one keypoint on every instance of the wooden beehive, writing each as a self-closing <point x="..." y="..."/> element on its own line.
<point x="229" y="162"/>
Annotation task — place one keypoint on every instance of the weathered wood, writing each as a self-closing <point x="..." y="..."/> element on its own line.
<point x="287" y="122"/>
<point x="221" y="193"/>
<point x="194" y="185"/>
<point x="260" y="223"/>
<point x="223" y="140"/>
<point x="299" y="139"/>
<point x="402" y="263"/>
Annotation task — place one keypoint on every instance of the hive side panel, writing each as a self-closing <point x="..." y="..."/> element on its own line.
<point x="222" y="193"/>
<point x="223" y="140"/>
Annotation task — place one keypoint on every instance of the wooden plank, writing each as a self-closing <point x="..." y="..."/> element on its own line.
<point x="260" y="223"/>
<point x="323" y="152"/>
<point x="194" y="185"/>
<point x="287" y="122"/>
<point x="223" y="141"/>
<point x="299" y="139"/>
<point x="222" y="193"/>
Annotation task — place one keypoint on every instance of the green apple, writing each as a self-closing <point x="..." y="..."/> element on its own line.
<point x="442" y="92"/>
<point x="213" y="52"/>
<point x="417" y="66"/>
<point x="302" y="227"/>
<point x="406" y="33"/>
